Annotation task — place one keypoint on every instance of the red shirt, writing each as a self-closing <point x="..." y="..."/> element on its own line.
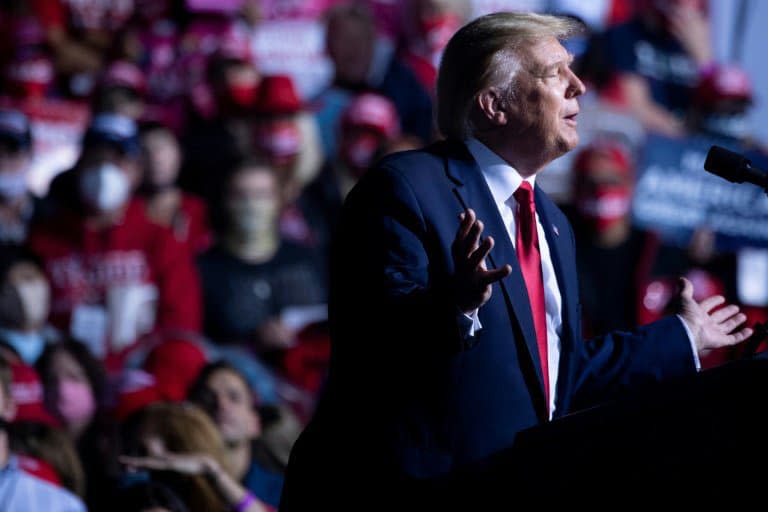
<point x="112" y="286"/>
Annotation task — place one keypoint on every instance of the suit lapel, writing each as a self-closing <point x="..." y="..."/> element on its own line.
<point x="560" y="252"/>
<point x="472" y="192"/>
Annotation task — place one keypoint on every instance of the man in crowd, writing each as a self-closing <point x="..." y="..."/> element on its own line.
<point x="115" y="275"/>
<point x="454" y="305"/>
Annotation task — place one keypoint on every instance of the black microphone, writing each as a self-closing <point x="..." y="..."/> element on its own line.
<point x="734" y="167"/>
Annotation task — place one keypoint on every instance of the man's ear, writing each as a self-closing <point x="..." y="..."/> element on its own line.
<point x="493" y="106"/>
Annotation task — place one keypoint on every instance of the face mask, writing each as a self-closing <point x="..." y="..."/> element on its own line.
<point x="35" y="296"/>
<point x="282" y="141"/>
<point x="29" y="345"/>
<point x="606" y="206"/>
<point x="75" y="402"/>
<point x="13" y="184"/>
<point x="105" y="188"/>
<point x="358" y="153"/>
<point x="253" y="216"/>
<point x="243" y="95"/>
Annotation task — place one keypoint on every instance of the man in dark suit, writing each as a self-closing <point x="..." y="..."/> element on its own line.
<point x="454" y="306"/>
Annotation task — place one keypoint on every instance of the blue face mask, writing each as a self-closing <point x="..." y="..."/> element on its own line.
<point x="29" y="345"/>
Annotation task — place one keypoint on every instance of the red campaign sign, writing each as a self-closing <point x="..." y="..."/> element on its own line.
<point x="57" y="128"/>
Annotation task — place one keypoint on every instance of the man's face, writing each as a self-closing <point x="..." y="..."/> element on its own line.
<point x="234" y="413"/>
<point x="350" y="46"/>
<point x="542" y="111"/>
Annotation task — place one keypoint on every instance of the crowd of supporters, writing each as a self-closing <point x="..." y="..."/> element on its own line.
<point x="171" y="172"/>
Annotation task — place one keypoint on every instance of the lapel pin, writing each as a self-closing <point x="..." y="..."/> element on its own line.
<point x="557" y="231"/>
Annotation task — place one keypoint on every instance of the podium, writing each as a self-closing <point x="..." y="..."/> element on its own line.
<point x="699" y="440"/>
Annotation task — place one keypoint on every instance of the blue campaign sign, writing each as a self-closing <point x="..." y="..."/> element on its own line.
<point x="675" y="195"/>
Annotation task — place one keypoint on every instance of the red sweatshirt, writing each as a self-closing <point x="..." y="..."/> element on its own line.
<point x="112" y="286"/>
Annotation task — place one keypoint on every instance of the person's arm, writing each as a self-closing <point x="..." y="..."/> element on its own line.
<point x="233" y="493"/>
<point x="180" y="301"/>
<point x="385" y="262"/>
<point x="635" y="92"/>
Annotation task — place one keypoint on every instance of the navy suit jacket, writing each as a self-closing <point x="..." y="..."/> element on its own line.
<point x="409" y="398"/>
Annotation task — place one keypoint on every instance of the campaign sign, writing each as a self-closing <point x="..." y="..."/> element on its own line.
<point x="57" y="128"/>
<point x="675" y="195"/>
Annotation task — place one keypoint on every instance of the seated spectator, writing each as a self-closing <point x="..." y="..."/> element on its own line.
<point x="53" y="447"/>
<point x="79" y="35"/>
<point x="223" y="392"/>
<point x="121" y="90"/>
<point x="25" y="297"/>
<point x="76" y="393"/>
<point x="19" y="490"/>
<point x="181" y="448"/>
<point x="18" y="206"/>
<point x="368" y="123"/>
<point x="287" y="134"/>
<point x="115" y="275"/>
<point x="721" y="104"/>
<point x="428" y="25"/>
<point x="613" y="256"/>
<point x="166" y="204"/>
<point x="657" y="58"/>
<point x="363" y="61"/>
<point x="251" y="275"/>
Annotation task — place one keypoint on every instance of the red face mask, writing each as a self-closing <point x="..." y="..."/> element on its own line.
<point x="281" y="140"/>
<point x="357" y="152"/>
<point x="243" y="95"/>
<point x="606" y="206"/>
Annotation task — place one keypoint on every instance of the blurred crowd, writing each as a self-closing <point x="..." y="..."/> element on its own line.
<point x="171" y="172"/>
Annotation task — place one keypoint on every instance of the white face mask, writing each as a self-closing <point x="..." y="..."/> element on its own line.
<point x="35" y="296"/>
<point x="29" y="345"/>
<point x="13" y="184"/>
<point x="105" y="188"/>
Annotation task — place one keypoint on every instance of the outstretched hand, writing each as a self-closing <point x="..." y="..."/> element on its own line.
<point x="711" y="328"/>
<point x="473" y="280"/>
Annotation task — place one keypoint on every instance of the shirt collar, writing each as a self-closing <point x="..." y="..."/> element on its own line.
<point x="502" y="178"/>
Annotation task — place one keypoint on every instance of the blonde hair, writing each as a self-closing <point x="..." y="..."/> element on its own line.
<point x="185" y="428"/>
<point x="484" y="53"/>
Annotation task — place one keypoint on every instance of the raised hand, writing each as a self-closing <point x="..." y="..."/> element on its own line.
<point x="711" y="329"/>
<point x="472" y="279"/>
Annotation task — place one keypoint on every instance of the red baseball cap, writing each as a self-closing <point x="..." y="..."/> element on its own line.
<point x="175" y="364"/>
<point x="614" y="151"/>
<point x="27" y="393"/>
<point x="135" y="390"/>
<point x="122" y="73"/>
<point x="724" y="82"/>
<point x="277" y="95"/>
<point x="370" y="110"/>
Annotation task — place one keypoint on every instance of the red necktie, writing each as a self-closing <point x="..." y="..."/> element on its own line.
<point x="530" y="263"/>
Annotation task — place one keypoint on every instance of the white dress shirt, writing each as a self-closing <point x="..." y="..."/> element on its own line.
<point x="503" y="180"/>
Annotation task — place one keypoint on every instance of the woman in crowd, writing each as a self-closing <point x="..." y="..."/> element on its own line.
<point x="182" y="448"/>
